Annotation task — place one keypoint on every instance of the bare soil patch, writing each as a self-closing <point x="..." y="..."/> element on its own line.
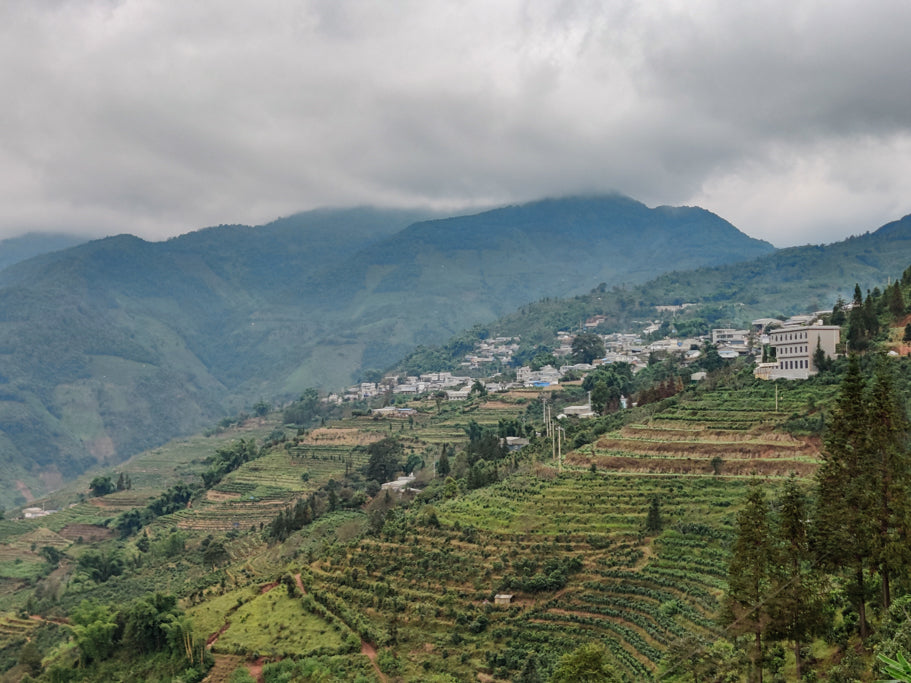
<point x="340" y="437"/>
<point x="499" y="405"/>
<point x="25" y="491"/>
<point x="256" y="669"/>
<point x="90" y="533"/>
<point x="370" y="651"/>
<point x="221" y="496"/>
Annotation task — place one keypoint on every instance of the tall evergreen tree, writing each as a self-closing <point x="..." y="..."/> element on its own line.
<point x="896" y="300"/>
<point x="750" y="575"/>
<point x="443" y="465"/>
<point x="871" y="317"/>
<point x="856" y="336"/>
<point x="890" y="472"/>
<point x="858" y="299"/>
<point x="844" y="526"/>
<point x="653" y="521"/>
<point x="797" y="605"/>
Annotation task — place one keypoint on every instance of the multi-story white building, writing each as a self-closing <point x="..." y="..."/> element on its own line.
<point x="730" y="336"/>
<point x="794" y="347"/>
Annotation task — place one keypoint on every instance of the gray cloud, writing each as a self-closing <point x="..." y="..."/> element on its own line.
<point x="789" y="119"/>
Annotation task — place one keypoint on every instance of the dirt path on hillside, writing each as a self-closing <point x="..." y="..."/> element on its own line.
<point x="256" y="669"/>
<point x="300" y="584"/>
<point x="210" y="641"/>
<point x="370" y="651"/>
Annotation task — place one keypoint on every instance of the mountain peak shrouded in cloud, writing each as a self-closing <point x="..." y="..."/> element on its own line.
<point x="155" y="117"/>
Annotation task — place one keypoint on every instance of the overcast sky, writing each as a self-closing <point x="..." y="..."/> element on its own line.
<point x="790" y="119"/>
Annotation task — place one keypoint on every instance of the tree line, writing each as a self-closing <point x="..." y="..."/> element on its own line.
<point x="848" y="536"/>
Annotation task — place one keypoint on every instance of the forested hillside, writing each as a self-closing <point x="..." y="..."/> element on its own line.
<point x="797" y="279"/>
<point x="118" y="344"/>
<point x="788" y="282"/>
<point x="17" y="249"/>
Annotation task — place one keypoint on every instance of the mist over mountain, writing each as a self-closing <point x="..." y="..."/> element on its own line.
<point x="118" y="344"/>
<point x="17" y="249"/>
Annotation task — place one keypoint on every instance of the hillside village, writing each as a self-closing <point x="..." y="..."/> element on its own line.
<point x="781" y="349"/>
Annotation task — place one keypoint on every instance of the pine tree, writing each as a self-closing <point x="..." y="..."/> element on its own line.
<point x="797" y="606"/>
<point x="750" y="575"/>
<point x="443" y="465"/>
<point x="820" y="362"/>
<point x="653" y="521"/>
<point x="843" y="523"/>
<point x="890" y="472"/>
<point x="838" y="312"/>
<point x="896" y="300"/>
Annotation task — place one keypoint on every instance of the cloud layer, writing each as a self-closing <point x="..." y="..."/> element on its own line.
<point x="792" y="120"/>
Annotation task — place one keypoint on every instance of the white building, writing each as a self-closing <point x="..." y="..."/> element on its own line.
<point x="794" y="348"/>
<point x="730" y="337"/>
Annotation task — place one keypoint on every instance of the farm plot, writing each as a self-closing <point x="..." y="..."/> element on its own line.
<point x="227" y="515"/>
<point x="278" y="625"/>
<point x="573" y="552"/>
<point x="39" y="538"/>
<point x="119" y="501"/>
<point x="81" y="513"/>
<point x="14" y="629"/>
<point x="181" y="460"/>
<point x="729" y="433"/>
<point x="258" y="490"/>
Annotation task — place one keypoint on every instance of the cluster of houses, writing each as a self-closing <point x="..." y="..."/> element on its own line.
<point x="781" y="349"/>
<point x="499" y="349"/>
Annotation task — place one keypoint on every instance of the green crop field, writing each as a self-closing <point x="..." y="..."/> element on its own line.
<point x="433" y="587"/>
<point x="733" y="432"/>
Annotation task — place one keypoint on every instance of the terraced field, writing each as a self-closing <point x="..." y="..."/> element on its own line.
<point x="433" y="586"/>
<point x="13" y="628"/>
<point x="571" y="547"/>
<point x="255" y="493"/>
<point x="721" y="433"/>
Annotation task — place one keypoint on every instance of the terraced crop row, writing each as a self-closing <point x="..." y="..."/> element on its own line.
<point x="634" y="594"/>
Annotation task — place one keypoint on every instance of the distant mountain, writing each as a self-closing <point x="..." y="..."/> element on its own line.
<point x="439" y="277"/>
<point x="16" y="249"/>
<point x="116" y="345"/>
<point x="797" y="279"/>
<point x="787" y="282"/>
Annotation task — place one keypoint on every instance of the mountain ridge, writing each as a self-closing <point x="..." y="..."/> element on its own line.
<point x="121" y="343"/>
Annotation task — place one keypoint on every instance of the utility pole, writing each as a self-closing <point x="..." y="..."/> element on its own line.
<point x="553" y="445"/>
<point x="560" y="449"/>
